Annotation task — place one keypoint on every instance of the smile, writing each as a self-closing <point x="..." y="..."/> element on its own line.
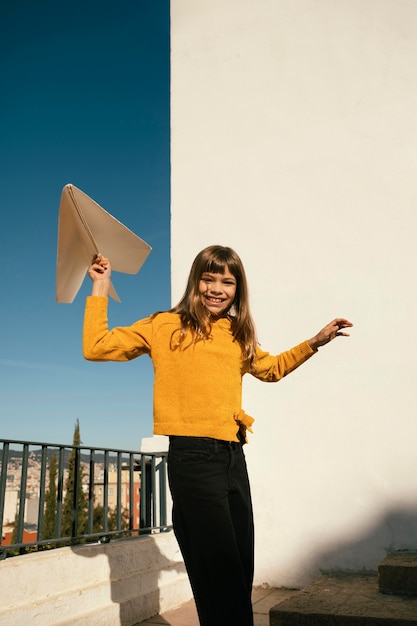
<point x="214" y="300"/>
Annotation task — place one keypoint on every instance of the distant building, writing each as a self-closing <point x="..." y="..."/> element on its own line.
<point x="29" y="535"/>
<point x="10" y="506"/>
<point x="125" y="493"/>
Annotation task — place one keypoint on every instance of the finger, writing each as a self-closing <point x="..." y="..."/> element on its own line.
<point x="98" y="268"/>
<point x="342" y="323"/>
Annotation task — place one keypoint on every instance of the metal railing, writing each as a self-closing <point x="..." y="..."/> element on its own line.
<point x="54" y="494"/>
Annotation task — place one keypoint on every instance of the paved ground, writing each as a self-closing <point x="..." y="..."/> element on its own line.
<point x="345" y="599"/>
<point x="337" y="599"/>
<point x="186" y="615"/>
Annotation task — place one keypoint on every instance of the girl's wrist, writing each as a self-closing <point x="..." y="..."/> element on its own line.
<point x="100" y="288"/>
<point x="314" y="344"/>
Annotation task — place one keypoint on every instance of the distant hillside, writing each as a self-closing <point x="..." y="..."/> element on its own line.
<point x="36" y="455"/>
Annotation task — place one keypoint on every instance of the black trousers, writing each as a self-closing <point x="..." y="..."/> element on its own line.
<point x="213" y="523"/>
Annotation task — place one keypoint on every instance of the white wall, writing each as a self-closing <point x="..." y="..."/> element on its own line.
<point x="120" y="583"/>
<point x="294" y="140"/>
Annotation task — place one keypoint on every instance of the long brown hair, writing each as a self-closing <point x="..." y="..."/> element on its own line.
<point x="195" y="318"/>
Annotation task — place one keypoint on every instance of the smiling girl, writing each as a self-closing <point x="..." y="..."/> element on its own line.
<point x="200" y="350"/>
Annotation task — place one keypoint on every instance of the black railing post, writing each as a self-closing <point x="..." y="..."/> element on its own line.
<point x="3" y="482"/>
<point x="153" y="492"/>
<point x="76" y="493"/>
<point x="106" y="492"/>
<point x="163" y="492"/>
<point x="22" y="494"/>
<point x="60" y="491"/>
<point x="132" y="490"/>
<point x="119" y="491"/>
<point x="91" y="494"/>
<point x="42" y="487"/>
<point x="145" y="496"/>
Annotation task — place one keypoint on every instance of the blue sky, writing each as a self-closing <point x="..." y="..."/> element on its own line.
<point x="85" y="100"/>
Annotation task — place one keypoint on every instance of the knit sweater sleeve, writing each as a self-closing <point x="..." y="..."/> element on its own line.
<point x="269" y="368"/>
<point x="118" y="344"/>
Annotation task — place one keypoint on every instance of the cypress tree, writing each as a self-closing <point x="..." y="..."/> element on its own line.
<point x="15" y="526"/>
<point x="74" y="510"/>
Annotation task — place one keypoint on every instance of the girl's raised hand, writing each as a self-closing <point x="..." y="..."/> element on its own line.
<point x="100" y="272"/>
<point x="329" y="332"/>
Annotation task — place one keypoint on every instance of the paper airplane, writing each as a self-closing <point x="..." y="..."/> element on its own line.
<point x="85" y="229"/>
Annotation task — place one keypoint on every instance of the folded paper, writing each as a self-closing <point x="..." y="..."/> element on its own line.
<point x="85" y="230"/>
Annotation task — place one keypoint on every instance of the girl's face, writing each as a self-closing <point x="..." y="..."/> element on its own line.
<point x="217" y="292"/>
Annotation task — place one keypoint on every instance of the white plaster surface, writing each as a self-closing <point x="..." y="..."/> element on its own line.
<point x="123" y="582"/>
<point x="157" y="443"/>
<point x="294" y="134"/>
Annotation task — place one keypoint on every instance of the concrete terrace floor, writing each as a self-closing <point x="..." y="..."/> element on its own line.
<point x="263" y="599"/>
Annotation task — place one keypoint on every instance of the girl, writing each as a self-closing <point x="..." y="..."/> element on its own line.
<point x="200" y="350"/>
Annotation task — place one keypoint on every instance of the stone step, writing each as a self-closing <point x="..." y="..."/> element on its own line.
<point x="344" y="600"/>
<point x="398" y="574"/>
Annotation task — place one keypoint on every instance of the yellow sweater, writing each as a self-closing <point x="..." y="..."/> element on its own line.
<point x="197" y="388"/>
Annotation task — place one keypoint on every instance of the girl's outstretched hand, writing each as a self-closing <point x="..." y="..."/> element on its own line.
<point x="329" y="332"/>
<point x="100" y="272"/>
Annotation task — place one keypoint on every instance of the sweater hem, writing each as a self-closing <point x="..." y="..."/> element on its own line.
<point x="194" y="431"/>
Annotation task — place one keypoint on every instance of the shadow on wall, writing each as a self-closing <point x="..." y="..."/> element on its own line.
<point x="131" y="580"/>
<point x="396" y="531"/>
